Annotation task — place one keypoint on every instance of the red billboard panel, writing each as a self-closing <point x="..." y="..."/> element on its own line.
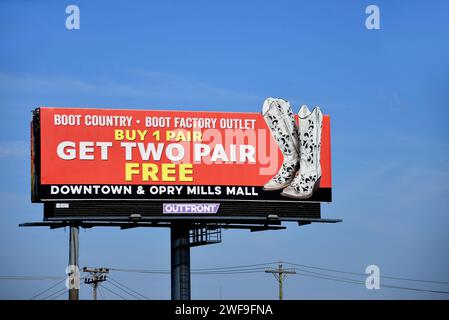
<point x="108" y="154"/>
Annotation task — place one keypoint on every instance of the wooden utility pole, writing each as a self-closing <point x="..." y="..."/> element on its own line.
<point x="280" y="274"/>
<point x="73" y="269"/>
<point x="98" y="275"/>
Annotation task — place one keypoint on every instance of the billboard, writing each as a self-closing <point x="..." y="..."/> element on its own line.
<point x="183" y="156"/>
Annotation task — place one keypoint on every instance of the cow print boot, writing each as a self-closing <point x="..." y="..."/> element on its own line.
<point x="307" y="179"/>
<point x="282" y="123"/>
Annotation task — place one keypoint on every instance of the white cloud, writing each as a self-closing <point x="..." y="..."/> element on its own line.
<point x="14" y="149"/>
<point x="153" y="87"/>
<point x="33" y="83"/>
<point x="163" y="81"/>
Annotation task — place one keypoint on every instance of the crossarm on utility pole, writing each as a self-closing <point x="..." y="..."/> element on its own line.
<point x="280" y="275"/>
<point x="97" y="275"/>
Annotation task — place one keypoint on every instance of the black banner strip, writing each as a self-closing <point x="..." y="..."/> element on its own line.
<point x="169" y="193"/>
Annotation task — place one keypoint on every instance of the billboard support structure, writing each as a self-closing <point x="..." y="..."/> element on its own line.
<point x="73" y="269"/>
<point x="180" y="243"/>
<point x="180" y="261"/>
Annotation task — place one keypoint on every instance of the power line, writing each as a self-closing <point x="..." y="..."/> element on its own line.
<point x="193" y="270"/>
<point x="343" y="279"/>
<point x="326" y="269"/>
<point x="114" y="293"/>
<point x="121" y="284"/>
<point x="364" y="275"/>
<point x="330" y="278"/>
<point x="16" y="277"/>
<point x="63" y="292"/>
<point x="240" y="270"/>
<point x="46" y="290"/>
<point x="167" y="272"/>
<point x="238" y="267"/>
<point x="156" y="271"/>
<point x="57" y="293"/>
<point x="230" y="270"/>
<point x="254" y="268"/>
<point x="354" y="281"/>
<point x="415" y="289"/>
<point x="225" y="272"/>
<point x="101" y="293"/>
<point x="125" y="291"/>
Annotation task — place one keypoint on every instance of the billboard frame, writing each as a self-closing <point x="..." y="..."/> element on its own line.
<point x="41" y="193"/>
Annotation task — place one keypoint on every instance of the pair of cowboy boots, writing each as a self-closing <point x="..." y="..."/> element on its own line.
<point x="300" y="173"/>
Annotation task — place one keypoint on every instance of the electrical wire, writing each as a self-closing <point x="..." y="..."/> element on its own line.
<point x="225" y="272"/>
<point x="254" y="268"/>
<point x="125" y="291"/>
<point x="229" y="270"/>
<point x="134" y="291"/>
<point x="31" y="277"/>
<point x="101" y="293"/>
<point x="238" y="267"/>
<point x="114" y="293"/>
<point x="55" y="294"/>
<point x="193" y="270"/>
<point x="348" y="280"/>
<point x="364" y="275"/>
<point x="245" y="268"/>
<point x="54" y="298"/>
<point x="46" y="290"/>
<point x="156" y="271"/>
<point x="167" y="272"/>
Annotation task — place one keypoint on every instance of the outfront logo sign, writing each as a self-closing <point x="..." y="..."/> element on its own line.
<point x="104" y="154"/>
<point x="192" y="208"/>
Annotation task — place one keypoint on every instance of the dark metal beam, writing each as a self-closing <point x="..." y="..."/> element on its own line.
<point x="253" y="223"/>
<point x="180" y="261"/>
<point x="265" y="228"/>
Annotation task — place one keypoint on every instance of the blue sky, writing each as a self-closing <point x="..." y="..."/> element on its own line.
<point x="386" y="91"/>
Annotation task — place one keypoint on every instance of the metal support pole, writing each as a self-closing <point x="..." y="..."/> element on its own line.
<point x="281" y="276"/>
<point x="180" y="261"/>
<point x="94" y="291"/>
<point x="73" y="263"/>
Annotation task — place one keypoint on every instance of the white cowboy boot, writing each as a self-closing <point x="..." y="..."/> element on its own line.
<point x="307" y="179"/>
<point x="280" y="119"/>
